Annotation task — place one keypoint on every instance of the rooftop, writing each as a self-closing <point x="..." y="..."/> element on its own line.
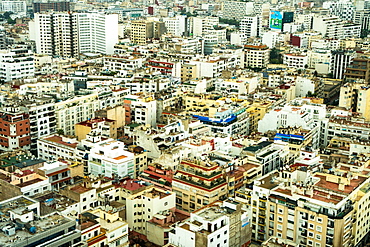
<point x="79" y="189"/>
<point x="90" y="122"/>
<point x="59" y="140"/>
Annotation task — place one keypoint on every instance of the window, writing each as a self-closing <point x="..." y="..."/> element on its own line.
<point x="279" y="227"/>
<point x="280" y="219"/>
<point x="310" y="226"/>
<point x="319" y="220"/>
<point x="319" y="228"/>
<point x="281" y="211"/>
<point x="318" y="236"/>
<point x="310" y="234"/>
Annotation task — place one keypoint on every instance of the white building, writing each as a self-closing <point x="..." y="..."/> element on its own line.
<point x="109" y="158"/>
<point x="251" y="25"/>
<point x="142" y="206"/>
<point x="212" y="225"/>
<point x="238" y="38"/>
<point x="200" y="25"/>
<point x="175" y="25"/>
<point x="143" y="109"/>
<point x="328" y="26"/>
<point x="75" y="110"/>
<point x="17" y="7"/>
<point x="256" y="56"/>
<point x="236" y="9"/>
<point x="304" y="19"/>
<point x="55" y="147"/>
<point x="304" y="85"/>
<point x="320" y="60"/>
<point x="55" y="34"/>
<point x="42" y="120"/>
<point x="351" y="31"/>
<point x="298" y="112"/>
<point x="16" y="63"/>
<point x="344" y="9"/>
<point x="117" y="63"/>
<point x="298" y="61"/>
<point x="68" y="34"/>
<point x="97" y="32"/>
<point x="271" y="38"/>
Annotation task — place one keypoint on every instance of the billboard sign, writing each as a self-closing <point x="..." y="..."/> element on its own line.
<point x="276" y="20"/>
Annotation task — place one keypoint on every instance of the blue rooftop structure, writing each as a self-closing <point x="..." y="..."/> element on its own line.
<point x="220" y="121"/>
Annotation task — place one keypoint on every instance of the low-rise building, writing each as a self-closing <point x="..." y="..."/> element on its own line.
<point x="218" y="224"/>
<point x="198" y="183"/>
<point x="109" y="158"/>
<point x="23" y="225"/>
<point x="143" y="206"/>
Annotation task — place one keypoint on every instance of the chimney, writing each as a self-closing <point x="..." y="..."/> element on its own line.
<point x="341" y="186"/>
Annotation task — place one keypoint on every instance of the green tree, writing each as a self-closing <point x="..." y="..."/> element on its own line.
<point x="60" y="132"/>
<point x="11" y="21"/>
<point x="364" y="33"/>
<point x="7" y="14"/>
<point x="275" y="56"/>
<point x="230" y="22"/>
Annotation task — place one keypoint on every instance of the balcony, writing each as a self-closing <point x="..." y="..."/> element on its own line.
<point x="212" y="185"/>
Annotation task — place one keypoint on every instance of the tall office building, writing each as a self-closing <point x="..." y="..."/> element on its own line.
<point x="141" y="31"/>
<point x="329" y="26"/>
<point x="69" y="34"/>
<point x="2" y="38"/>
<point x="17" y="7"/>
<point x="236" y="10"/>
<point x="343" y="9"/>
<point x="251" y="26"/>
<point x="55" y="6"/>
<point x="340" y="60"/>
<point x="54" y="34"/>
<point x="97" y="32"/>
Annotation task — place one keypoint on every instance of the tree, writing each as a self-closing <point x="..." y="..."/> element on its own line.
<point x="7" y="14"/>
<point x="364" y="33"/>
<point x="11" y="21"/>
<point x="60" y="132"/>
<point x="275" y="56"/>
<point x="230" y="22"/>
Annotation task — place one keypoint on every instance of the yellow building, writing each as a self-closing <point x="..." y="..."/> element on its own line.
<point x="115" y="113"/>
<point x="100" y="126"/>
<point x="197" y="184"/>
<point x="324" y="209"/>
<point x="188" y="72"/>
<point x="141" y="31"/>
<point x="256" y="112"/>
<point x="356" y="96"/>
